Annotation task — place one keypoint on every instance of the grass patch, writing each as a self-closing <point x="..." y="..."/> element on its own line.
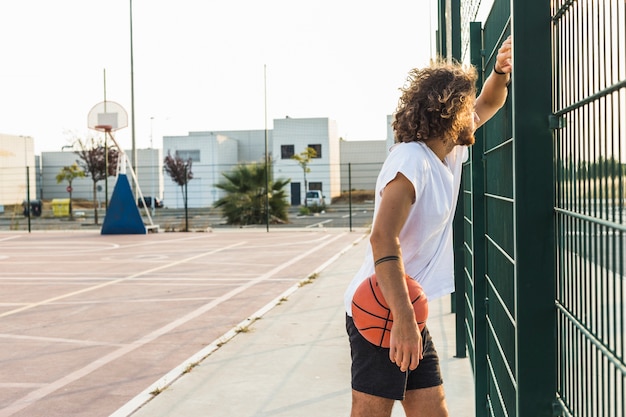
<point x="242" y="329"/>
<point x="308" y="280"/>
<point x="190" y="367"/>
<point x="358" y="196"/>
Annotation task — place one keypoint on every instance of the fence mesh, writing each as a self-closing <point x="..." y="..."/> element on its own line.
<point x="589" y="84"/>
<point x="354" y="185"/>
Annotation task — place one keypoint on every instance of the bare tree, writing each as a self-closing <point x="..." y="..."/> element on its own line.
<point x="98" y="163"/>
<point x="180" y="171"/>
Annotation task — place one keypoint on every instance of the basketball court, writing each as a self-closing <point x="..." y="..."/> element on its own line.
<point x="88" y="321"/>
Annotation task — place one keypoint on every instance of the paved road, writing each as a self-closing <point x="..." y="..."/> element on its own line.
<point x="88" y="321"/>
<point x="198" y="219"/>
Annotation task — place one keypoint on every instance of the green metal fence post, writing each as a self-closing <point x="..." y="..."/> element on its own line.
<point x="455" y="19"/>
<point x="28" y="207"/>
<point x="350" y="193"/>
<point x="479" y="230"/>
<point x="534" y="219"/>
<point x="458" y="298"/>
<point x="442" y="38"/>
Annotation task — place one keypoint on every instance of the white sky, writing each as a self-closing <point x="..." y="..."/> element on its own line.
<point x="198" y="64"/>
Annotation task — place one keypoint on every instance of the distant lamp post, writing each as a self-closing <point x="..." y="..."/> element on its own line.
<point x="132" y="95"/>
<point x="153" y="170"/>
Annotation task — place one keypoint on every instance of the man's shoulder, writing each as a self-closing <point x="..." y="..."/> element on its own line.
<point x="405" y="150"/>
<point x="408" y="158"/>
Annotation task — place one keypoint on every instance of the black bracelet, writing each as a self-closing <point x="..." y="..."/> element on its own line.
<point x="387" y="258"/>
<point x="496" y="71"/>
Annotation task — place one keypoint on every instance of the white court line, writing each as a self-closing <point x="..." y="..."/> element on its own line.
<point x="42" y="392"/>
<point x="59" y="340"/>
<point x="79" y="246"/>
<point x="145" y="300"/>
<point x="117" y="281"/>
<point x="19" y="385"/>
<point x="168" y="241"/>
<point x="289" y="244"/>
<point x="26" y="249"/>
<point x="79" y="280"/>
<point x="318" y="224"/>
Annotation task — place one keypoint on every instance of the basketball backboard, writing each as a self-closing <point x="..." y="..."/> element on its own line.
<point x="107" y="116"/>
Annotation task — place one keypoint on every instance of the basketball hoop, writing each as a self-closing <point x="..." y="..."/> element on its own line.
<point x="107" y="116"/>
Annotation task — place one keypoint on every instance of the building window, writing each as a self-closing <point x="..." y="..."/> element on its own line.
<point x="286" y="151"/>
<point x="313" y="185"/>
<point x="186" y="155"/>
<point x="318" y="150"/>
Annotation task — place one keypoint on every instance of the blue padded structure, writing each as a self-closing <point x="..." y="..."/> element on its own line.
<point x="123" y="217"/>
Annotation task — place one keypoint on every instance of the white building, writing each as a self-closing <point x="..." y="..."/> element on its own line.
<point x="214" y="153"/>
<point x="211" y="153"/>
<point x="293" y="136"/>
<point x="149" y="171"/>
<point x="51" y="165"/>
<point x="18" y="170"/>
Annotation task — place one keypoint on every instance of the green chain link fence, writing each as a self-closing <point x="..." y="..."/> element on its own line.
<point x="540" y="231"/>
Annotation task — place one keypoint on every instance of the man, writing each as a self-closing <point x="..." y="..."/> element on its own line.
<point x="416" y="194"/>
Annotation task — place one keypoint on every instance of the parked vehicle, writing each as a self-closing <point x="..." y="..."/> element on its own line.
<point x="148" y="202"/>
<point x="34" y="208"/>
<point x="315" y="198"/>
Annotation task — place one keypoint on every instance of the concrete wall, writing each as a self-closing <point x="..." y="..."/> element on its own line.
<point x="250" y="143"/>
<point x="17" y="153"/>
<point x="364" y="160"/>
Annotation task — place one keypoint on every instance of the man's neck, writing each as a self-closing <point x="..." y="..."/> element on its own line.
<point x="440" y="148"/>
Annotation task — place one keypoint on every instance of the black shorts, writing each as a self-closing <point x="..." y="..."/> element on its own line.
<point x="373" y="372"/>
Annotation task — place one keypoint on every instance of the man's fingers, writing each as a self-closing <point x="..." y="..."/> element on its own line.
<point x="406" y="360"/>
<point x="415" y="360"/>
<point x="392" y="354"/>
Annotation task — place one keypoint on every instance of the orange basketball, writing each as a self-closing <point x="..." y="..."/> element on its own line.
<point x="372" y="316"/>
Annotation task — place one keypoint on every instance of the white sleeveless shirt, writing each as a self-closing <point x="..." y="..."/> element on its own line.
<point x="426" y="237"/>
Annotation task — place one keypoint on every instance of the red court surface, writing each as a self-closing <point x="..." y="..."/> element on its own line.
<point x="88" y="321"/>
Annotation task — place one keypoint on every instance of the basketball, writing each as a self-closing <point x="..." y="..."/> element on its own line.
<point x="372" y="316"/>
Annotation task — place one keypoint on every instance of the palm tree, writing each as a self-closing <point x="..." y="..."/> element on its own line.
<point x="245" y="200"/>
<point x="69" y="174"/>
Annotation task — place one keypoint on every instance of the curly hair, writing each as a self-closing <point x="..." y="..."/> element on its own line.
<point x="435" y="102"/>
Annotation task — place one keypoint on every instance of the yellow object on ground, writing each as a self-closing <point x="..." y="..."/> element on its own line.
<point x="60" y="207"/>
